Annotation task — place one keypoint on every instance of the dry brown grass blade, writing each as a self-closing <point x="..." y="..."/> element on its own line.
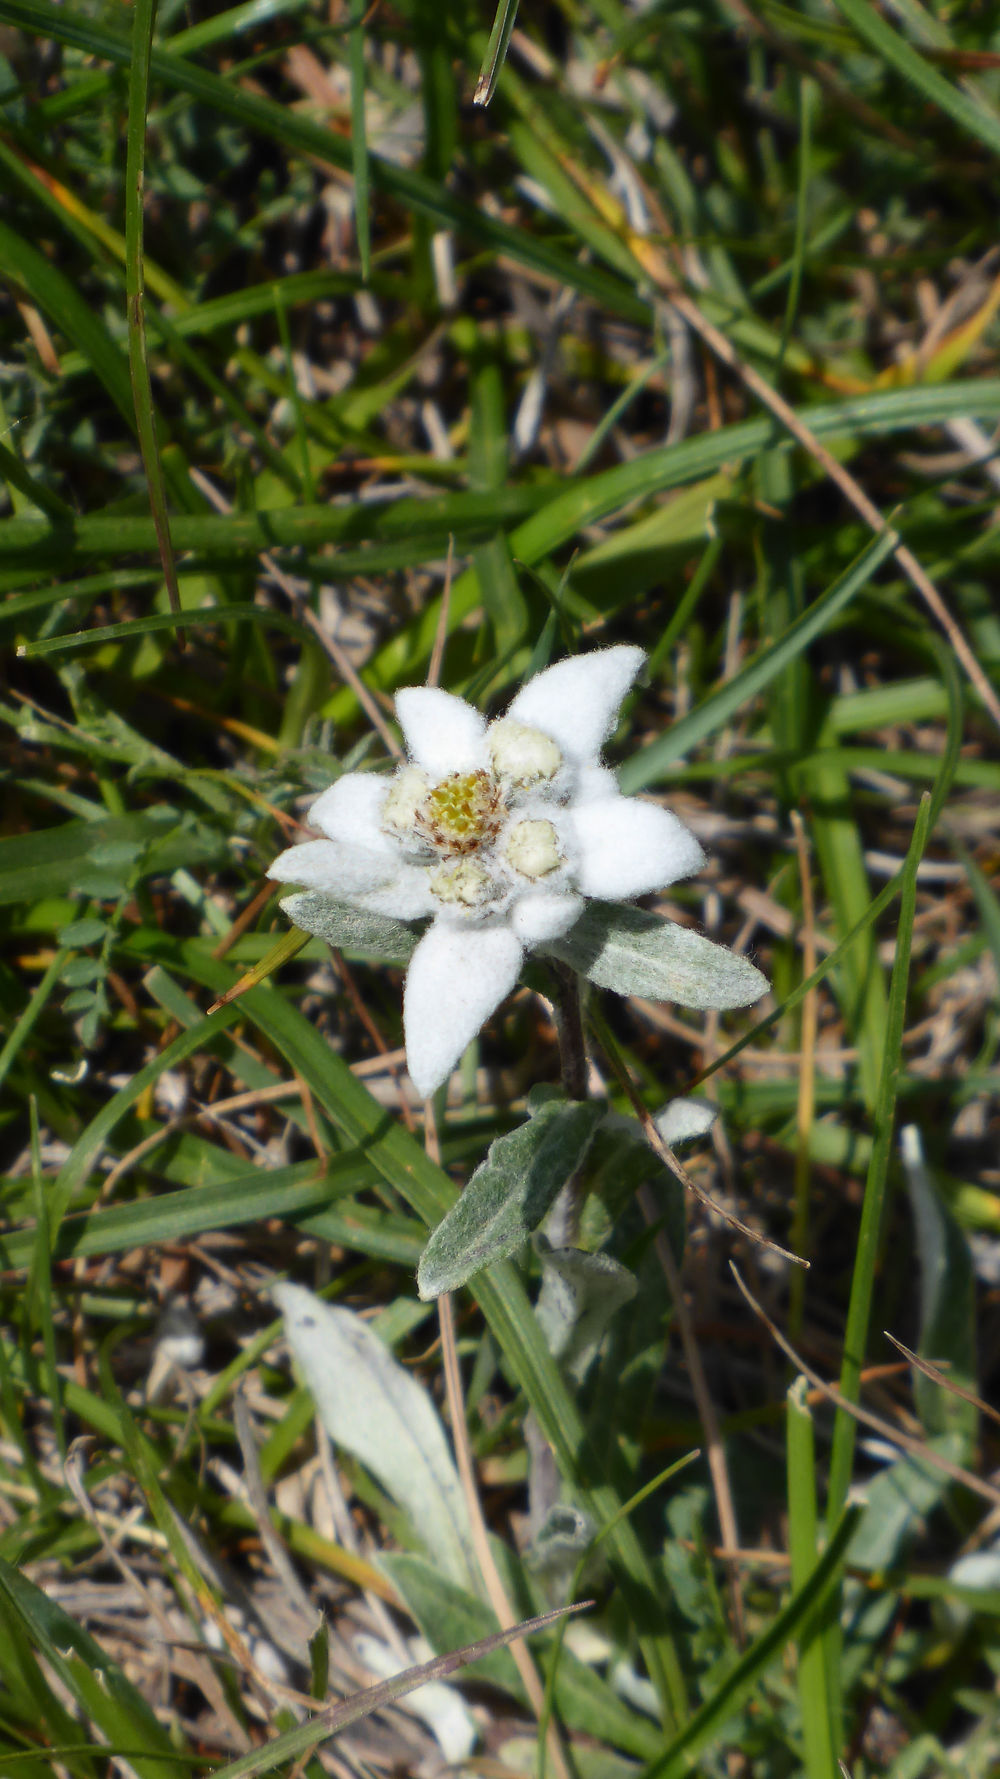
<point x="335" y="1718"/>
<point x="915" y="1448"/>
<point x="937" y="1376"/>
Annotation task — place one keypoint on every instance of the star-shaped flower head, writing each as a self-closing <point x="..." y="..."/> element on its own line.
<point x="497" y="831"/>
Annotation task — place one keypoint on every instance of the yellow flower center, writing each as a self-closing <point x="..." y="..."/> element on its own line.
<point x="462" y="813"/>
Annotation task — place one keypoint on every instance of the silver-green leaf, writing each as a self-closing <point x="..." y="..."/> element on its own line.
<point x="508" y="1195"/>
<point x="350" y="929"/>
<point x="580" y="1294"/>
<point x="375" y="1409"/>
<point x="636" y="953"/>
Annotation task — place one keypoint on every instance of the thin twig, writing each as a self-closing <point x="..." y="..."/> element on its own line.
<point x="238" y="1102"/>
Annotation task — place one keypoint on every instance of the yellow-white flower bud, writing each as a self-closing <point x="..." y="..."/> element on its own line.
<point x="406" y="793"/>
<point x="532" y="848"/>
<point x="465" y="883"/>
<point x="522" y="755"/>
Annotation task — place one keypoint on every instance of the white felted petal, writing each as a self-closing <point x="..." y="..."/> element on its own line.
<point x="443" y="734"/>
<point x="594" y="782"/>
<point x="576" y="702"/>
<point x="627" y="848"/>
<point x="407" y="896"/>
<point x="345" y="871"/>
<point x="457" y="975"/>
<point x="538" y="918"/>
<point x="351" y="810"/>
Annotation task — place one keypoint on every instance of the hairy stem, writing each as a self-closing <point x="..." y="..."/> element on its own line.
<point x="562" y="1227"/>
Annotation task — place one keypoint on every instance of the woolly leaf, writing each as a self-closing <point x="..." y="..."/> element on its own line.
<point x="351" y="929"/>
<point x="636" y="953"/>
<point x="373" y="1408"/>
<point x="508" y="1195"/>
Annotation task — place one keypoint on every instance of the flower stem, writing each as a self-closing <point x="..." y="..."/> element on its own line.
<point x="563" y="1224"/>
<point x="572" y="1045"/>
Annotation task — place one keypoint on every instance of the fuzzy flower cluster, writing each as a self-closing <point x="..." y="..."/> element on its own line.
<point x="499" y="832"/>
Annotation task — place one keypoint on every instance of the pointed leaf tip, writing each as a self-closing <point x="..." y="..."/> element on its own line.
<point x="636" y="953"/>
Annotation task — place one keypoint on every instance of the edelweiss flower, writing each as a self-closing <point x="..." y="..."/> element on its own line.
<point x="499" y="831"/>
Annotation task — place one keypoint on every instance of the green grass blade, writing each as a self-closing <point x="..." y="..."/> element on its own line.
<point x="821" y="1736"/>
<point x="877" y="1184"/>
<point x="21" y="1030"/>
<point x="860" y="980"/>
<point x="294" y="1192"/>
<point x="143" y="19"/>
<point x="496" y="51"/>
<point x="920" y="74"/>
<point x="200" y="619"/>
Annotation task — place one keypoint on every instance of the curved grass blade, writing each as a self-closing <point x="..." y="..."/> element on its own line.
<point x="58" y="298"/>
<point x="204" y="617"/>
